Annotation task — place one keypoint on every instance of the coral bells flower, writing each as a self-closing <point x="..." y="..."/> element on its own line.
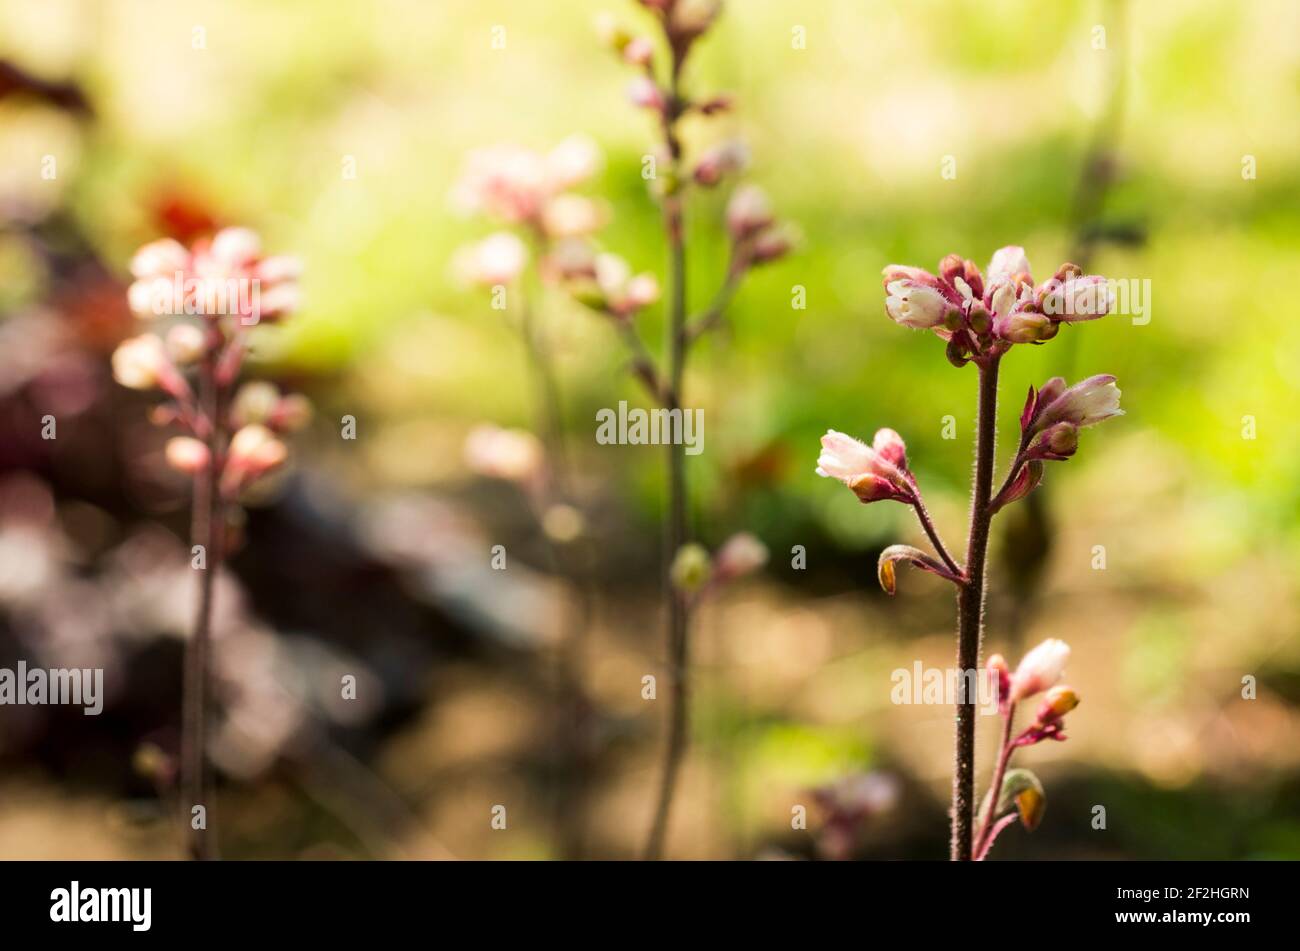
<point x="497" y="259"/>
<point x="1087" y="403"/>
<point x="739" y="555"/>
<point x="187" y="454"/>
<point x="226" y="276"/>
<point x="1039" y="669"/>
<point x="254" y="451"/>
<point x="983" y="315"/>
<point x="511" y="454"/>
<point x="1049" y="722"/>
<point x="141" y="363"/>
<point x="874" y="472"/>
<point x="513" y="184"/>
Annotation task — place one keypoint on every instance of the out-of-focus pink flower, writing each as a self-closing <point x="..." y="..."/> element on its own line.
<point x="739" y="555"/>
<point x="254" y="451"/>
<point x="187" y="454"/>
<point x="511" y="454"/>
<point x="503" y="181"/>
<point x="870" y="471"/>
<point x="571" y="162"/>
<point x="185" y="344"/>
<point x="688" y="19"/>
<point x="497" y="259"/>
<point x="140" y="363"/>
<point x="572" y="216"/>
<point x="618" y="291"/>
<point x="720" y="161"/>
<point x="748" y="212"/>
<point x="645" y="93"/>
<point x="224" y="276"/>
<point x="638" y="51"/>
<point x="1041" y="668"/>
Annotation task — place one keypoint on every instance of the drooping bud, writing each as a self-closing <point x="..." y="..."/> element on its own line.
<point x="871" y="476"/>
<point x="1086" y="403"/>
<point x="291" y="414"/>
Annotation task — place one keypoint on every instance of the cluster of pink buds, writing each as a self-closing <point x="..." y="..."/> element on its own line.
<point x="530" y="190"/>
<point x="1040" y="671"/>
<point x="982" y="315"/>
<point x="227" y="285"/>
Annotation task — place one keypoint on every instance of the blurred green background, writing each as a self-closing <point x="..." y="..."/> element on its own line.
<point x="1124" y="146"/>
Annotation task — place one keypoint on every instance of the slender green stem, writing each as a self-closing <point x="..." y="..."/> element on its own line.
<point x="970" y="613"/>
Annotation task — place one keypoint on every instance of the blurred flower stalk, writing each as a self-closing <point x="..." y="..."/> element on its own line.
<point x="204" y="302"/>
<point x="980" y="317"/>
<point x="606" y="285"/>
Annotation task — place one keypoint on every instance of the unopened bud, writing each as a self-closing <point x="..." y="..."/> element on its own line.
<point x="691" y="568"/>
<point x="185" y="344"/>
<point x="254" y="403"/>
<point x="187" y="454"/>
<point x="1058" y="701"/>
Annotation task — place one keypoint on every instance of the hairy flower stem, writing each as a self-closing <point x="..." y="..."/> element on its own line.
<point x="995" y="787"/>
<point x="207" y="531"/>
<point x="675" y="529"/>
<point x="970" y="613"/>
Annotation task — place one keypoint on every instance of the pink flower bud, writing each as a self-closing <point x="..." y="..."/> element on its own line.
<point x="140" y="363"/>
<point x="771" y="244"/>
<point x="254" y="451"/>
<point x="1059" y="701"/>
<point x="291" y="414"/>
<point x="642" y="291"/>
<point x="282" y="267"/>
<point x="890" y="447"/>
<point x="160" y="259"/>
<point x="687" y="19"/>
<point x="511" y="454"/>
<point x="638" y="51"/>
<point x="187" y="454"/>
<point x="185" y="344"/>
<point x="645" y="93"/>
<point x="1076" y="299"/>
<point x="719" y="161"/>
<point x="572" y="162"/>
<point x="1056" y="442"/>
<point x="235" y="248"/>
<point x="998" y="669"/>
<point x="1087" y="403"/>
<point x="1023" y="327"/>
<point x="571" y="216"/>
<point x="497" y="259"/>
<point x="1007" y="263"/>
<point x="748" y="212"/>
<point x="915" y="305"/>
<point x="254" y="403"/>
<point x="1039" y="669"/>
<point x="865" y="469"/>
<point x="741" y="554"/>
